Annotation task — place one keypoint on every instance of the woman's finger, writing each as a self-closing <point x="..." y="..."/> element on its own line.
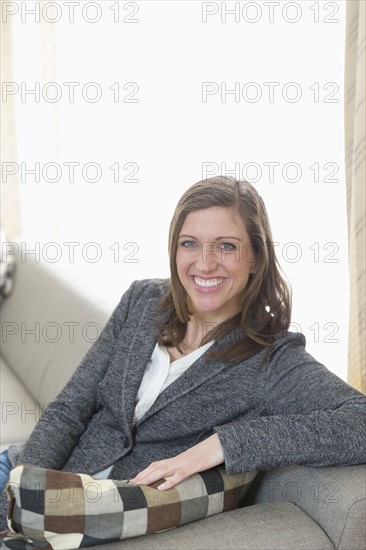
<point x="152" y="473"/>
<point x="168" y="484"/>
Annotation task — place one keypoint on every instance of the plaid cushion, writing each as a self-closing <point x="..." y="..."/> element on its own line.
<point x="7" y="267"/>
<point x="53" y="509"/>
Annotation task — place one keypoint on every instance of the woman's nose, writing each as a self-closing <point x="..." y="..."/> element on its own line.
<point x="207" y="259"/>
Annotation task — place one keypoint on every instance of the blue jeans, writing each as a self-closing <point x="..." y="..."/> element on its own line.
<point x="5" y="468"/>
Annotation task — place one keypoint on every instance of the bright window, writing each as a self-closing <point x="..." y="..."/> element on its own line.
<point x="133" y="102"/>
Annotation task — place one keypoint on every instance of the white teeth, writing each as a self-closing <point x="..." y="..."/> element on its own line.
<point x="207" y="283"/>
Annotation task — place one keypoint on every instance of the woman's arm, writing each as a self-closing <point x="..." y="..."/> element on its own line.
<point x="310" y="416"/>
<point x="65" y="419"/>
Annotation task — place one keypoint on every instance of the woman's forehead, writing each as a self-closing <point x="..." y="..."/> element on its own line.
<point x="216" y="221"/>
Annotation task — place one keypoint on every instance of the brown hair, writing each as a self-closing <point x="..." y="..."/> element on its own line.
<point x="266" y="301"/>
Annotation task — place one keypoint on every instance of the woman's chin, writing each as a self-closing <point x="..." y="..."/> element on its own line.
<point x="206" y="308"/>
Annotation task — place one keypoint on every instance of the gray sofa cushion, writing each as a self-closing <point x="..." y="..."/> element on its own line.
<point x="278" y="526"/>
<point x="334" y="497"/>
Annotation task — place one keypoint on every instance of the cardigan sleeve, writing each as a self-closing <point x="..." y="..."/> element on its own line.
<point x="309" y="416"/>
<point x="65" y="419"/>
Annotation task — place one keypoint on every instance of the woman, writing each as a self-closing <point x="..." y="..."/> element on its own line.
<point x="200" y="370"/>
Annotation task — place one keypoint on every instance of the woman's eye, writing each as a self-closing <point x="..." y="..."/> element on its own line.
<point x="187" y="243"/>
<point x="228" y="247"/>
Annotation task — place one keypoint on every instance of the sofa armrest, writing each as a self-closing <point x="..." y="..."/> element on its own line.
<point x="334" y="497"/>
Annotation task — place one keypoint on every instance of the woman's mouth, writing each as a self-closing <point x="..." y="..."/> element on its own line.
<point x="211" y="283"/>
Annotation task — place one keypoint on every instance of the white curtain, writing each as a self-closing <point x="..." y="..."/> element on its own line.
<point x="10" y="210"/>
<point x="29" y="131"/>
<point x="355" y="148"/>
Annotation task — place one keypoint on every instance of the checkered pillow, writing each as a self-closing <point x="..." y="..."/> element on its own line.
<point x="53" y="509"/>
<point x="7" y="267"/>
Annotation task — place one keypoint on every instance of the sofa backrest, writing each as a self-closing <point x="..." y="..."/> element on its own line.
<point x="46" y="329"/>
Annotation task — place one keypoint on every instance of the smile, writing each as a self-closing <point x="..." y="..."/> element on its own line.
<point x="208" y="283"/>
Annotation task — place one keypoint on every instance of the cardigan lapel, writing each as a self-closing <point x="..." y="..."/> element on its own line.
<point x="134" y="355"/>
<point x="143" y="340"/>
<point x="198" y="373"/>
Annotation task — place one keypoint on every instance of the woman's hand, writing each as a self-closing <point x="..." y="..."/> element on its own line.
<point x="202" y="456"/>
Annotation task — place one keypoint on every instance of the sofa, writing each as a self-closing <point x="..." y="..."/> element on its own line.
<point x="47" y="327"/>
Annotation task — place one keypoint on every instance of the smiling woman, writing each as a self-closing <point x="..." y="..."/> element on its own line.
<point x="200" y="370"/>
<point x="225" y="274"/>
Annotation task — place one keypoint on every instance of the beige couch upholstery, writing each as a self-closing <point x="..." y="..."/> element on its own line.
<point x="47" y="328"/>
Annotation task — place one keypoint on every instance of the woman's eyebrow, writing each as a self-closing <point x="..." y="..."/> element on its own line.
<point x="228" y="237"/>
<point x="217" y="238"/>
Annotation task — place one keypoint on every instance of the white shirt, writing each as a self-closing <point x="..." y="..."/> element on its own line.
<point x="159" y="374"/>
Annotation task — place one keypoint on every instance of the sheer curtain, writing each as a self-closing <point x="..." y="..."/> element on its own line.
<point x="10" y="201"/>
<point x="355" y="181"/>
<point x="30" y="128"/>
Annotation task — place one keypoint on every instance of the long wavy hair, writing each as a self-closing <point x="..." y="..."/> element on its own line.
<point x="266" y="299"/>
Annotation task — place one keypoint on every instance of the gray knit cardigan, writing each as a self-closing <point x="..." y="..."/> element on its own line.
<point x="287" y="409"/>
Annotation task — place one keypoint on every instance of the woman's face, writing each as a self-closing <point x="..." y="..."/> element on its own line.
<point x="214" y="260"/>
